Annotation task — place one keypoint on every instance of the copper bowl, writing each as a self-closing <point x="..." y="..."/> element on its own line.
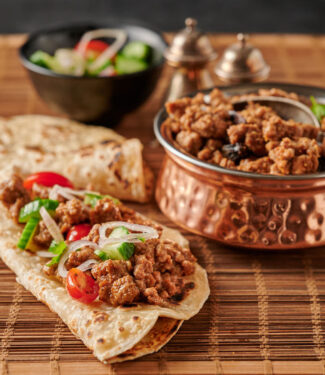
<point x="241" y="208"/>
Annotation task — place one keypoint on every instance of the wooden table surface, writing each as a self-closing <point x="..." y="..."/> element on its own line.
<point x="266" y="310"/>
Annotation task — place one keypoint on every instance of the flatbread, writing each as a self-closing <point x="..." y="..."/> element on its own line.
<point x="91" y="156"/>
<point x="113" y="334"/>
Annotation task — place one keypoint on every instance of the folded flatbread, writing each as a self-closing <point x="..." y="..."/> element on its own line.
<point x="93" y="157"/>
<point x="113" y="333"/>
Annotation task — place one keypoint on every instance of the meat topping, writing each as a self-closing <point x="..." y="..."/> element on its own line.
<point x="13" y="195"/>
<point x="248" y="138"/>
<point x="154" y="274"/>
<point x="105" y="210"/>
<point x="70" y="213"/>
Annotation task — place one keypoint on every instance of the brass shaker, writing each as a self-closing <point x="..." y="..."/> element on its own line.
<point x="189" y="53"/>
<point x="242" y="62"/>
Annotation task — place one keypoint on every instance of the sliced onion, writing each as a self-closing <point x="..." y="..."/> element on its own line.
<point x="75" y="245"/>
<point x="62" y="271"/>
<point x="144" y="231"/>
<point x="67" y="192"/>
<point x="51" y="225"/>
<point x="87" y="265"/>
<point x="120" y="38"/>
<point x="45" y="254"/>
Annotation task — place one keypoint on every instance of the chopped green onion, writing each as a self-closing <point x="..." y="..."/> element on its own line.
<point x="317" y="108"/>
<point x="58" y="249"/>
<point x="28" y="233"/>
<point x="32" y="209"/>
<point x="91" y="199"/>
<point x="101" y="254"/>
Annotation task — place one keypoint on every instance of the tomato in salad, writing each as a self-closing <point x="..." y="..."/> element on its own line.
<point x="46" y="179"/>
<point x="77" y="232"/>
<point x="94" y="48"/>
<point x="81" y="286"/>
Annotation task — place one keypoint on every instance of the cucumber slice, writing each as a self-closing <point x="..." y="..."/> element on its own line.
<point x="32" y="209"/>
<point x="118" y="251"/>
<point x="91" y="199"/>
<point x="42" y="59"/>
<point x="137" y="50"/>
<point x="125" y="65"/>
<point x="28" y="233"/>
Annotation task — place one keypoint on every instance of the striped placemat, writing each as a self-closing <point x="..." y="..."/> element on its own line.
<point x="265" y="314"/>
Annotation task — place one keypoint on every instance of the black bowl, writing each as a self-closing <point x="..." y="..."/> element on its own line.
<point x="92" y="99"/>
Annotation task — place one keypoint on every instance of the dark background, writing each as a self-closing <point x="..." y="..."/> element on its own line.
<point x="293" y="16"/>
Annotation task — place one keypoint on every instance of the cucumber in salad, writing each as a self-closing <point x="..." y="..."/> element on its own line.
<point x="117" y="251"/>
<point x="94" y="57"/>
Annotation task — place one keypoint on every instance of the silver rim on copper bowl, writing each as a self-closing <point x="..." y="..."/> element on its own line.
<point x="237" y="90"/>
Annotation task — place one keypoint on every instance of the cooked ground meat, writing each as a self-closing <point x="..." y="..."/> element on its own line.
<point x="295" y="157"/>
<point x="106" y="273"/>
<point x="154" y="274"/>
<point x="78" y="257"/>
<point x="124" y="291"/>
<point x="249" y="135"/>
<point x="43" y="237"/>
<point x="13" y="195"/>
<point x="189" y="140"/>
<point x="249" y="139"/>
<point x="261" y="165"/>
<point x="70" y="213"/>
<point x="93" y="235"/>
<point x="105" y="210"/>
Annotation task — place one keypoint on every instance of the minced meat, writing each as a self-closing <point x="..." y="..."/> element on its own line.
<point x="208" y="127"/>
<point x="80" y="256"/>
<point x="13" y="195"/>
<point x="71" y="213"/>
<point x="105" y="210"/>
<point x="154" y="274"/>
<point x="43" y="237"/>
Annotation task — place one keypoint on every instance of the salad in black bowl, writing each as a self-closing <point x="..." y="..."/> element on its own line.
<point x="93" y="73"/>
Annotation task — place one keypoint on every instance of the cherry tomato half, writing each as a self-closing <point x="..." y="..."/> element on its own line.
<point x="78" y="231"/>
<point x="47" y="179"/>
<point x="81" y="286"/>
<point x="94" y="48"/>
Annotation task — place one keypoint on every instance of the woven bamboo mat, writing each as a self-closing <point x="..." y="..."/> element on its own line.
<point x="266" y="311"/>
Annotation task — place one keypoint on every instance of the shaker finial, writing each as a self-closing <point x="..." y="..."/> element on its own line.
<point x="242" y="39"/>
<point x="190" y="23"/>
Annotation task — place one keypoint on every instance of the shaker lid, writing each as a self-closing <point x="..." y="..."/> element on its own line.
<point x="242" y="62"/>
<point x="190" y="46"/>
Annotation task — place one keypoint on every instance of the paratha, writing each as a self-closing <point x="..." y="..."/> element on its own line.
<point x="125" y="330"/>
<point x="92" y="156"/>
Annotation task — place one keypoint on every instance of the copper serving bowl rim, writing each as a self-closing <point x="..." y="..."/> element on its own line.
<point x="162" y="116"/>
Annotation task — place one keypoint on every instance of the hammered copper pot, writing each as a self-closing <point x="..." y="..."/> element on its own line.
<point x="239" y="208"/>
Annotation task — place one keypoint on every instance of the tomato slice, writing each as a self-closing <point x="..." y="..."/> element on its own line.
<point x="78" y="231"/>
<point x="81" y="286"/>
<point x="47" y="179"/>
